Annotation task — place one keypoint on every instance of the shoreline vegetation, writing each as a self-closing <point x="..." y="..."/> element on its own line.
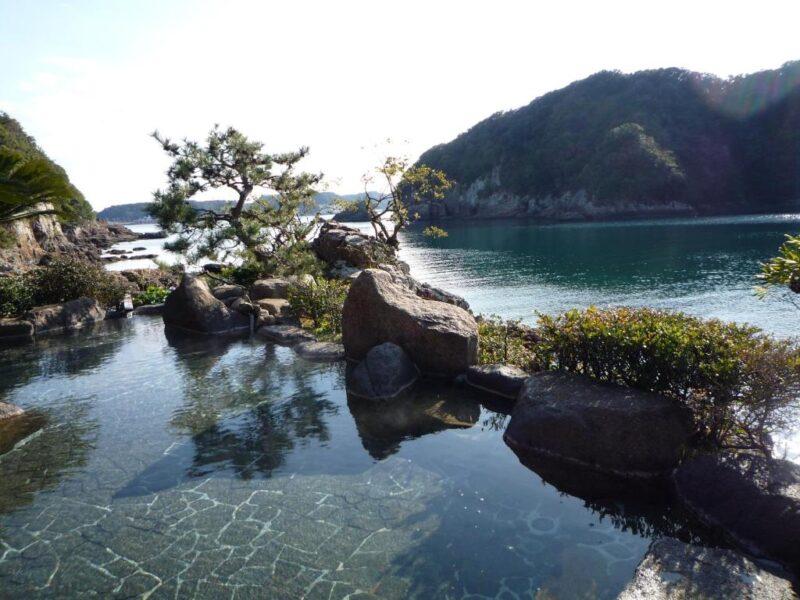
<point x="630" y="394"/>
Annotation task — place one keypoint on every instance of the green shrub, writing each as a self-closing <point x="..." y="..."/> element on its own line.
<point x="64" y="279"/>
<point x="16" y="295"/>
<point x="154" y="294"/>
<point x="740" y="384"/>
<point x="502" y="342"/>
<point x="319" y="305"/>
<point x="245" y="275"/>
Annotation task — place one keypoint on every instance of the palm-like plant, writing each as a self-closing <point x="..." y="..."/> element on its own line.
<point x="30" y="186"/>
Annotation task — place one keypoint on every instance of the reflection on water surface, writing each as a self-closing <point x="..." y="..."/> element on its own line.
<point x="228" y="468"/>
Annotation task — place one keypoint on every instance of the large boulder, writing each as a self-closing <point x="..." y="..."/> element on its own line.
<point x="385" y="372"/>
<point x="673" y="570"/>
<point x="440" y="338"/>
<point x="605" y="427"/>
<point x="502" y="380"/>
<point x="193" y="307"/>
<point x="57" y="318"/>
<point x="756" y="500"/>
<point x="336" y="242"/>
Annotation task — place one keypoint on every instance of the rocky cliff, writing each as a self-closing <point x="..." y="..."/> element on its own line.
<point x="35" y="238"/>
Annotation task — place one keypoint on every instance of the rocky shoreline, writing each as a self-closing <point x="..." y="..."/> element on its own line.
<point x="397" y="332"/>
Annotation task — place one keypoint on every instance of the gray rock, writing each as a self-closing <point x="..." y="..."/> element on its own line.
<point x="673" y="570"/>
<point x="440" y="338"/>
<point x="502" y="380"/>
<point x="342" y="270"/>
<point x="756" y="500"/>
<point x="320" y="351"/>
<point x="226" y="292"/>
<point x="57" y="318"/>
<point x="401" y="275"/>
<point x="385" y="372"/>
<point x="193" y="307"/>
<point x="288" y="335"/>
<point x="336" y="242"/>
<point x="276" y="307"/>
<point x="149" y="309"/>
<point x="605" y="427"/>
<point x="265" y="319"/>
<point x="15" y="329"/>
<point x="270" y="288"/>
<point x="244" y="306"/>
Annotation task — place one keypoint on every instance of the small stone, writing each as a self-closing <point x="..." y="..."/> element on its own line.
<point x="273" y="287"/>
<point x="276" y="307"/>
<point x="320" y="351"/>
<point x="224" y="292"/>
<point x="149" y="309"/>
<point x="285" y="334"/>
<point x="502" y="380"/>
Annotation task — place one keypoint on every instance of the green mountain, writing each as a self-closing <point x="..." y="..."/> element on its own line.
<point x="136" y="212"/>
<point x="659" y="142"/>
<point x="14" y="137"/>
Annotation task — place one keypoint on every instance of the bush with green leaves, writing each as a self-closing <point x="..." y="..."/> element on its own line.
<point x="503" y="342"/>
<point x="16" y="295"/>
<point x="64" y="279"/>
<point x="784" y="269"/>
<point x="741" y="385"/>
<point x="319" y="305"/>
<point x="153" y="294"/>
<point x="245" y="275"/>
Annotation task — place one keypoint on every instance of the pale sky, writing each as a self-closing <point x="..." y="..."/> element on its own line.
<point x="90" y="79"/>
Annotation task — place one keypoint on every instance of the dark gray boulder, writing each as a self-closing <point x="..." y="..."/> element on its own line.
<point x="755" y="500"/>
<point x="385" y="372"/>
<point x="605" y="427"/>
<point x="502" y="380"/>
<point x="58" y="318"/>
<point x="673" y="570"/>
<point x="441" y="339"/>
<point x="193" y="307"/>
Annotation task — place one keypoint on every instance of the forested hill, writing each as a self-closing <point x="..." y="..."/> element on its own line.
<point x="665" y="141"/>
<point x="136" y="212"/>
<point x="14" y="138"/>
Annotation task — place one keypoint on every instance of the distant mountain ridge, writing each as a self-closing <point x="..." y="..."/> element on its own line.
<point x="135" y="212"/>
<point x="653" y="143"/>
